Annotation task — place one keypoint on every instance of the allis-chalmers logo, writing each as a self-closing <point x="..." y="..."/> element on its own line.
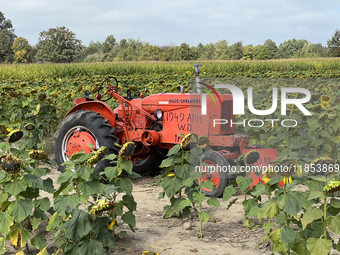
<point x="238" y="101"/>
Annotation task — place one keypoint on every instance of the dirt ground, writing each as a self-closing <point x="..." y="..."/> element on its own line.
<point x="169" y="236"/>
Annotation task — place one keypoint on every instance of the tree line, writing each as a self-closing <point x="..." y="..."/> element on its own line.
<point x="60" y="45"/>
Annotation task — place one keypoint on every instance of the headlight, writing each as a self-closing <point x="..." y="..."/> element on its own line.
<point x="158" y="114"/>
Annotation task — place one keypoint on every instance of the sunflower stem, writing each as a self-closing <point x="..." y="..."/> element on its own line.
<point x="285" y="193"/>
<point x="324" y="217"/>
<point x="244" y="209"/>
<point x="269" y="197"/>
<point x="77" y="189"/>
<point x="200" y="234"/>
<point x="21" y="227"/>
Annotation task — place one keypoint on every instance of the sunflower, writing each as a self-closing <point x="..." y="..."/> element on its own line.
<point x="317" y="107"/>
<point x="14" y="136"/>
<point x="287" y="180"/>
<point x="332" y="187"/>
<point x="150" y="253"/>
<point x="33" y="91"/>
<point x="94" y="89"/>
<point x="315" y="96"/>
<point x="37" y="110"/>
<point x="133" y="88"/>
<point x="10" y="163"/>
<point x="54" y="95"/>
<point x="324" y="105"/>
<point x="29" y="127"/>
<point x="326" y="98"/>
<point x="80" y="88"/>
<point x="44" y="88"/>
<point x="202" y="141"/>
<point x="13" y="94"/>
<point x="27" y="94"/>
<point x="287" y="167"/>
<point x="6" y="87"/>
<point x="102" y="206"/>
<point x="251" y="157"/>
<point x="323" y="117"/>
<point x="98" y="156"/>
<point x="322" y="166"/>
<point x="189" y="141"/>
<point x="268" y="175"/>
<point x="127" y="151"/>
<point x="42" y="97"/>
<point x="38" y="155"/>
<point x="111" y="225"/>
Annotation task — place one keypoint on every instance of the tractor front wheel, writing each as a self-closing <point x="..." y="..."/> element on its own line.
<point x="81" y="128"/>
<point x="216" y="172"/>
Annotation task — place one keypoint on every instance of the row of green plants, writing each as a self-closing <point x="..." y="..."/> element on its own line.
<point x="296" y="221"/>
<point x="86" y="213"/>
<point x="74" y="70"/>
<point x="315" y="212"/>
<point x="21" y="97"/>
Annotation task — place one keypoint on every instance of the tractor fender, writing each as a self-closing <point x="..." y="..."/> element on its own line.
<point x="96" y="106"/>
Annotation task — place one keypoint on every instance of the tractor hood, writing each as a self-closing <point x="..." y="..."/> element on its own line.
<point x="170" y="101"/>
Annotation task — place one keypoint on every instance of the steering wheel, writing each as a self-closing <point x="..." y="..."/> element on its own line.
<point x="107" y="80"/>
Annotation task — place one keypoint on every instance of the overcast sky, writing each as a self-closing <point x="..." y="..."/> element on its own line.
<point x="173" y="22"/>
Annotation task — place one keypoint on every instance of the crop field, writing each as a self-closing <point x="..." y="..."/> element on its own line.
<point x="301" y="216"/>
<point x="61" y="83"/>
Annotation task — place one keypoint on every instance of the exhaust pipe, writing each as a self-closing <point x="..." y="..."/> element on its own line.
<point x="198" y="79"/>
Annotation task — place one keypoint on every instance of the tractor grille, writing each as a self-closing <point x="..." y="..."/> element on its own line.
<point x="226" y="111"/>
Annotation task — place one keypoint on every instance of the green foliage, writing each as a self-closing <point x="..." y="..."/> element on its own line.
<point x="57" y="45"/>
<point x="108" y="44"/>
<point x="221" y="49"/>
<point x="85" y="213"/>
<point x="248" y="52"/>
<point x="291" y="47"/>
<point x="90" y="230"/>
<point x="186" y="178"/>
<point x="173" y="184"/>
<point x="7" y="37"/>
<point x="19" y="111"/>
<point x="271" y="45"/>
<point x="21" y="50"/>
<point x="334" y="44"/>
<point x="305" y="218"/>
<point x="263" y="52"/>
<point x="57" y="76"/>
<point x="21" y="202"/>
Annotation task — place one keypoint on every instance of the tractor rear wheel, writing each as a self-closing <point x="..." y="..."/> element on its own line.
<point x="220" y="177"/>
<point x="80" y="128"/>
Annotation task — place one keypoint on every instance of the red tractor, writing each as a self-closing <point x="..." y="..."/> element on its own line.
<point x="154" y="124"/>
